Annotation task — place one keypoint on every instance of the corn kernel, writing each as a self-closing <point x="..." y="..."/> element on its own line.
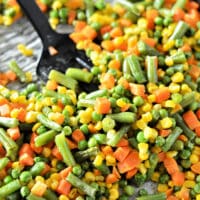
<point x="14" y="113"/>
<point x="110" y="160"/>
<point x="29" y="77"/>
<point x="174" y="88"/>
<point x="147" y="107"/>
<point x="98" y="160"/>
<point x="39" y="178"/>
<point x="63" y="197"/>
<point x="169" y="61"/>
<point x="142" y="168"/>
<point x="147" y="117"/>
<point x="151" y="98"/>
<point x="144" y="156"/>
<point x="31" y="117"/>
<point x="46" y="152"/>
<point x="70" y="109"/>
<point x="171" y="154"/>
<point x="53" y="22"/>
<point x="99" y="178"/>
<point x="155" y="176"/>
<point x="114" y="194"/>
<point x="198" y="197"/>
<point x="178" y="77"/>
<point x="194" y="158"/>
<point x="189" y="184"/>
<point x="167" y="46"/>
<point x="7" y="21"/>
<point x="89" y="176"/>
<point x="169" y="104"/>
<point x="156" y="149"/>
<point x="36" y="126"/>
<point x="54" y="184"/>
<point x="162" y="187"/>
<point x="55" y="176"/>
<point x="38" y="106"/>
<point x="73" y="193"/>
<point x="54" y="162"/>
<point x="31" y="184"/>
<point x="150" y="133"/>
<point x="147" y="164"/>
<point x="185" y="89"/>
<point x="189" y="175"/>
<point x="166" y="123"/>
<point x="121" y="103"/>
<point x="141" y="124"/>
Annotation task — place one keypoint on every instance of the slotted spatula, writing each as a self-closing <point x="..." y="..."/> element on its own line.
<point x="67" y="56"/>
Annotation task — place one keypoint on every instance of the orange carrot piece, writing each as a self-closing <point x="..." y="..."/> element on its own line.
<point x="172" y="197"/>
<point x="64" y="187"/>
<point x="79" y="26"/>
<point x="26" y="148"/>
<point x="71" y="16"/>
<point x="151" y="14"/>
<point x="197" y="131"/>
<point x="26" y="160"/>
<point x="75" y="4"/>
<point x="56" y="153"/>
<point x="161" y="156"/>
<point x="14" y="133"/>
<point x="123" y="143"/>
<point x="183" y="138"/>
<point x="164" y="132"/>
<point x="178" y="178"/>
<point x="104" y="29"/>
<point x="114" y="64"/>
<point x="92" y="128"/>
<point x="184" y="193"/>
<point x="171" y="165"/>
<point x="77" y="37"/>
<point x="131" y="173"/>
<point x="107" y="150"/>
<point x="130" y="162"/>
<point x="42" y="6"/>
<point x="21" y="114"/>
<point x="64" y="173"/>
<point x="111" y="178"/>
<point x="121" y="153"/>
<point x="178" y="14"/>
<point x="11" y="76"/>
<point x="195" y="168"/>
<point x="194" y="72"/>
<point x="108" y="45"/>
<point x="150" y="41"/>
<point x="192" y="17"/>
<point x="137" y="89"/>
<point x="89" y="32"/>
<point x="39" y="188"/>
<point x="115" y="171"/>
<point x="102" y="105"/>
<point x="198" y="113"/>
<point x="71" y="144"/>
<point x="46" y="169"/>
<point x="116" y="32"/>
<point x="191" y="119"/>
<point x="107" y="81"/>
<point x="125" y="22"/>
<point x="162" y="94"/>
<point x="32" y="143"/>
<point x="78" y="135"/>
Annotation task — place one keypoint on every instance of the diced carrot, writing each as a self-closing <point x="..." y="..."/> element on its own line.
<point x="172" y="197"/>
<point x="107" y="81"/>
<point x="26" y="148"/>
<point x="120" y="44"/>
<point x="150" y="41"/>
<point x="151" y="14"/>
<point x="75" y="4"/>
<point x="64" y="173"/>
<point x="39" y="188"/>
<point x="178" y="14"/>
<point x="26" y="160"/>
<point x="56" y="153"/>
<point x="11" y="75"/>
<point x="14" y="133"/>
<point x="183" y="138"/>
<point x="107" y="150"/>
<point x="3" y="174"/>
<point x="42" y="6"/>
<point x="137" y="89"/>
<point x="125" y="22"/>
<point x="71" y="144"/>
<point x="161" y="156"/>
<point x="46" y="169"/>
<point x="89" y="32"/>
<point x="111" y="178"/>
<point x="2" y="151"/>
<point x="197" y="131"/>
<point x="108" y="45"/>
<point x="91" y="128"/>
<point x="32" y="143"/>
<point x="116" y="32"/>
<point x="191" y="119"/>
<point x="102" y="105"/>
<point x="192" y="60"/>
<point x="171" y="165"/>
<point x="114" y="64"/>
<point x="178" y="178"/>
<point x="77" y="37"/>
<point x="169" y="192"/>
<point x="5" y="110"/>
<point x="121" y="153"/>
<point x="21" y="114"/>
<point x="122" y="81"/>
<point x="130" y="162"/>
<point x="192" y="17"/>
<point x="164" y="132"/>
<point x="51" y="85"/>
<point x="162" y="94"/>
<point x="97" y="172"/>
<point x="79" y="25"/>
<point x="195" y="168"/>
<point x="198" y="113"/>
<point x="64" y="187"/>
<point x="115" y="171"/>
<point x="123" y="143"/>
<point x="191" y="5"/>
<point x="186" y="47"/>
<point x="78" y="135"/>
<point x="3" y="101"/>
<point x="104" y="29"/>
<point x="194" y="72"/>
<point x="11" y="2"/>
<point x="71" y="16"/>
<point x="131" y="173"/>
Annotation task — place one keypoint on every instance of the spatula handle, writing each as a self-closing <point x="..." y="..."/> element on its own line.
<point x="39" y="21"/>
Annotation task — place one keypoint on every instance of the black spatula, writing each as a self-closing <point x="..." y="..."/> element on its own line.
<point x="67" y="56"/>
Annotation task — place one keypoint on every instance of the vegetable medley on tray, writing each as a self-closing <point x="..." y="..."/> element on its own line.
<point x="142" y="124"/>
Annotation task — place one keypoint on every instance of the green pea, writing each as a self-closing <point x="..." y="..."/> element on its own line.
<point x="24" y="191"/>
<point x="123" y="197"/>
<point x="100" y="138"/>
<point x="81" y="15"/>
<point x="25" y="176"/>
<point x="178" y="145"/>
<point x="176" y="97"/>
<point x="77" y="170"/>
<point x="119" y="89"/>
<point x="159" y="21"/>
<point x="96" y="26"/>
<point x="42" y="129"/>
<point x="197" y="188"/>
<point x="198" y="178"/>
<point x="95" y="70"/>
<point x="170" y="71"/>
<point x="178" y="43"/>
<point x="142" y="192"/>
<point x="185" y="164"/>
<point x="10" y="12"/>
<point x="67" y="130"/>
<point x="160" y="141"/>
<point x="163" y="113"/>
<point x="106" y="36"/>
<point x="15" y="173"/>
<point x="53" y="14"/>
<point x="82" y="145"/>
<point x="108" y="124"/>
<point x="92" y="142"/>
<point x="96" y="116"/>
<point x="197" y="140"/>
<point x="138" y="101"/>
<point x="155" y="114"/>
<point x="185" y="154"/>
<point x="129" y="190"/>
<point x="167" y="21"/>
<point x="164" y="178"/>
<point x="37" y="168"/>
<point x="140" y="137"/>
<point x="79" y="198"/>
<point x="84" y="129"/>
<point x="7" y="179"/>
<point x="63" y="12"/>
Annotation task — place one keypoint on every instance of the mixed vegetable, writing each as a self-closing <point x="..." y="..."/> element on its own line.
<point x="143" y="124"/>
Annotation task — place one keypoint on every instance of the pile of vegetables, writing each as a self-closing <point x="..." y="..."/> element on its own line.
<point x="142" y="124"/>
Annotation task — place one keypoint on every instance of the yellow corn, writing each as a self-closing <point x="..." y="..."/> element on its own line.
<point x="174" y="88"/>
<point x="142" y="168"/>
<point x="54" y="162"/>
<point x="29" y="77"/>
<point x="31" y="117"/>
<point x="121" y="103"/>
<point x="142" y="23"/>
<point x="196" y="150"/>
<point x="185" y="89"/>
<point x="38" y="106"/>
<point x="189" y="175"/>
<point x="7" y="21"/>
<point x="30" y="106"/>
<point x="167" y="46"/>
<point x="155" y="176"/>
<point x="194" y="158"/>
<point x="147" y="117"/>
<point x="31" y="184"/>
<point x="151" y="98"/>
<point x="147" y="107"/>
<point x="169" y="104"/>
<point x="171" y="154"/>
<point x="63" y="197"/>
<point x="24" y="50"/>
<point x="178" y="77"/>
<point x="36" y="126"/>
<point x="98" y="160"/>
<point x="1" y="19"/>
<point x="150" y="133"/>
<point x="166" y="123"/>
<point x="39" y="178"/>
<point x="56" y="5"/>
<point x="46" y="152"/>
<point x="114" y="194"/>
<point x="110" y="160"/>
<point x="70" y="109"/>
<point x="53" y="22"/>
<point x="189" y="184"/>
<point x="198" y="197"/>
<point x="56" y="108"/>
<point x="54" y="184"/>
<point x="162" y="187"/>
<point x="89" y="176"/>
<point x="98" y="126"/>
<point x="169" y="61"/>
<point x="73" y="193"/>
<point x="141" y="124"/>
<point x="14" y="113"/>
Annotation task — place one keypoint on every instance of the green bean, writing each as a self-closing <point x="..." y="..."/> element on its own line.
<point x="89" y="8"/>
<point x="188" y="99"/>
<point x="145" y="49"/>
<point x="153" y="161"/>
<point x="83" y="186"/>
<point x="124" y="117"/>
<point x="86" y="103"/>
<point x="126" y="67"/>
<point x="37" y="168"/>
<point x="158" y="196"/>
<point x="10" y="146"/>
<point x="188" y="132"/>
<point x="63" y="79"/>
<point x="158" y="4"/>
<point x="50" y="195"/>
<point x="136" y="69"/>
<point x="85" y="154"/>
<point x="48" y="123"/>
<point x="104" y="169"/>
<point x="45" y="138"/>
<point x="179" y="4"/>
<point x="172" y="138"/>
<point x="178" y="57"/>
<point x="34" y="197"/>
<point x="3" y="162"/>
<point x="9" y="188"/>
<point x="151" y="62"/>
<point x="179" y="30"/>
<point x="64" y="149"/>
<point x="18" y="71"/>
<point x="96" y="94"/>
<point x="114" y="138"/>
<point x="9" y="122"/>
<point x="79" y="74"/>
